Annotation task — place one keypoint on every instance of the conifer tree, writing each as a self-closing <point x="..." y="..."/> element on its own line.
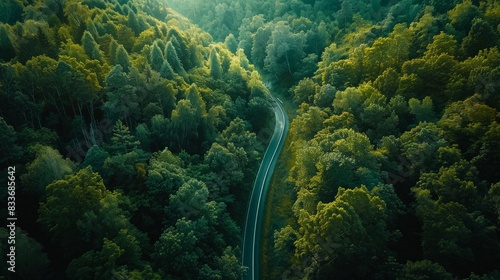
<point x="193" y="95"/>
<point x="215" y="68"/>
<point x="113" y="47"/>
<point x="123" y="141"/>
<point x="156" y="57"/>
<point x="92" y="28"/>
<point x="7" y="50"/>
<point x="166" y="70"/>
<point x="122" y="58"/>
<point x="173" y="59"/>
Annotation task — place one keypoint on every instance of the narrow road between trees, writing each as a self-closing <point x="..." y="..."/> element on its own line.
<point x="253" y="226"/>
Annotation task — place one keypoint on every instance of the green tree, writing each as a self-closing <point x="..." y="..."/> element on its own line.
<point x="215" y="67"/>
<point x="442" y="43"/>
<point x="156" y="57"/>
<point x="260" y="41"/>
<point x="422" y="110"/>
<point x="229" y="265"/>
<point x="48" y="166"/>
<point x="480" y="36"/>
<point x="305" y="91"/>
<point x="176" y="252"/>
<point x="284" y="50"/>
<point x="424" y="269"/>
<point x="345" y="13"/>
<point x="387" y="83"/>
<point x="342" y="232"/>
<point x="173" y="59"/>
<point x="166" y="70"/>
<point x="194" y="96"/>
<point x="122" y="140"/>
<point x="462" y="15"/>
<point x="308" y="123"/>
<point x="90" y="46"/>
<point x="445" y="235"/>
<point x="112" y="51"/>
<point x="122" y="58"/>
<point x="79" y="212"/>
<point x="238" y="134"/>
<point x="95" y="158"/>
<point x="96" y="264"/>
<point x="189" y="201"/>
<point x="231" y="43"/>
<point x="466" y="121"/>
<point x="397" y="44"/>
<point x="11" y="11"/>
<point x="324" y="97"/>
<point x="184" y="125"/>
<point x="143" y="134"/>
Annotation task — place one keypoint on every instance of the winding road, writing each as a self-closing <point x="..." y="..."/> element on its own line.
<point x="253" y="226"/>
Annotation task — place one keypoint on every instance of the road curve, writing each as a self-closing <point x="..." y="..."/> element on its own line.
<point x="253" y="225"/>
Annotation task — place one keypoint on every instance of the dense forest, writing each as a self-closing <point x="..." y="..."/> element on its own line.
<point x="135" y="140"/>
<point x="392" y="159"/>
<point x="136" y="128"/>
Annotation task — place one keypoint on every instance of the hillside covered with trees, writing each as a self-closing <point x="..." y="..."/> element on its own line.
<point x="136" y="128"/>
<point x="135" y="140"/>
<point x="392" y="159"/>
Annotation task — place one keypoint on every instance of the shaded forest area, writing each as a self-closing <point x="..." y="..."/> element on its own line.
<point x="135" y="139"/>
<point x="394" y="154"/>
<point x="136" y="136"/>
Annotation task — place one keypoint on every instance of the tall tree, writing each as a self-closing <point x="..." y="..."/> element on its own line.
<point x="156" y="57"/>
<point x="90" y="46"/>
<point x="284" y="51"/>
<point x="122" y="140"/>
<point x="215" y="67"/>
<point x="122" y="58"/>
<point x="173" y="59"/>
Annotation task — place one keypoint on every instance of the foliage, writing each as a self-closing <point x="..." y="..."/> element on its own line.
<point x="113" y="110"/>
<point x="136" y="136"/>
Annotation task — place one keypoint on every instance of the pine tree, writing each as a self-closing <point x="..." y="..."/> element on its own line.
<point x="90" y="46"/>
<point x="123" y="141"/>
<point x="156" y="57"/>
<point x="92" y="28"/>
<point x="173" y="59"/>
<point x="134" y="23"/>
<point x="215" y="68"/>
<point x="122" y="58"/>
<point x="197" y="102"/>
<point x="166" y="70"/>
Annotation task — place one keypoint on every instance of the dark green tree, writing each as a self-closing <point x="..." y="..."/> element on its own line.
<point x="48" y="166"/>
<point x="79" y="212"/>
<point x="480" y="36"/>
<point x="156" y="57"/>
<point x="215" y="67"/>
<point x="122" y="140"/>
<point x="122" y="58"/>
<point x="90" y="46"/>
<point x="424" y="269"/>
<point x="173" y="59"/>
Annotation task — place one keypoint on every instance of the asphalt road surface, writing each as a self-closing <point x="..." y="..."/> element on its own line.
<point x="253" y="226"/>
